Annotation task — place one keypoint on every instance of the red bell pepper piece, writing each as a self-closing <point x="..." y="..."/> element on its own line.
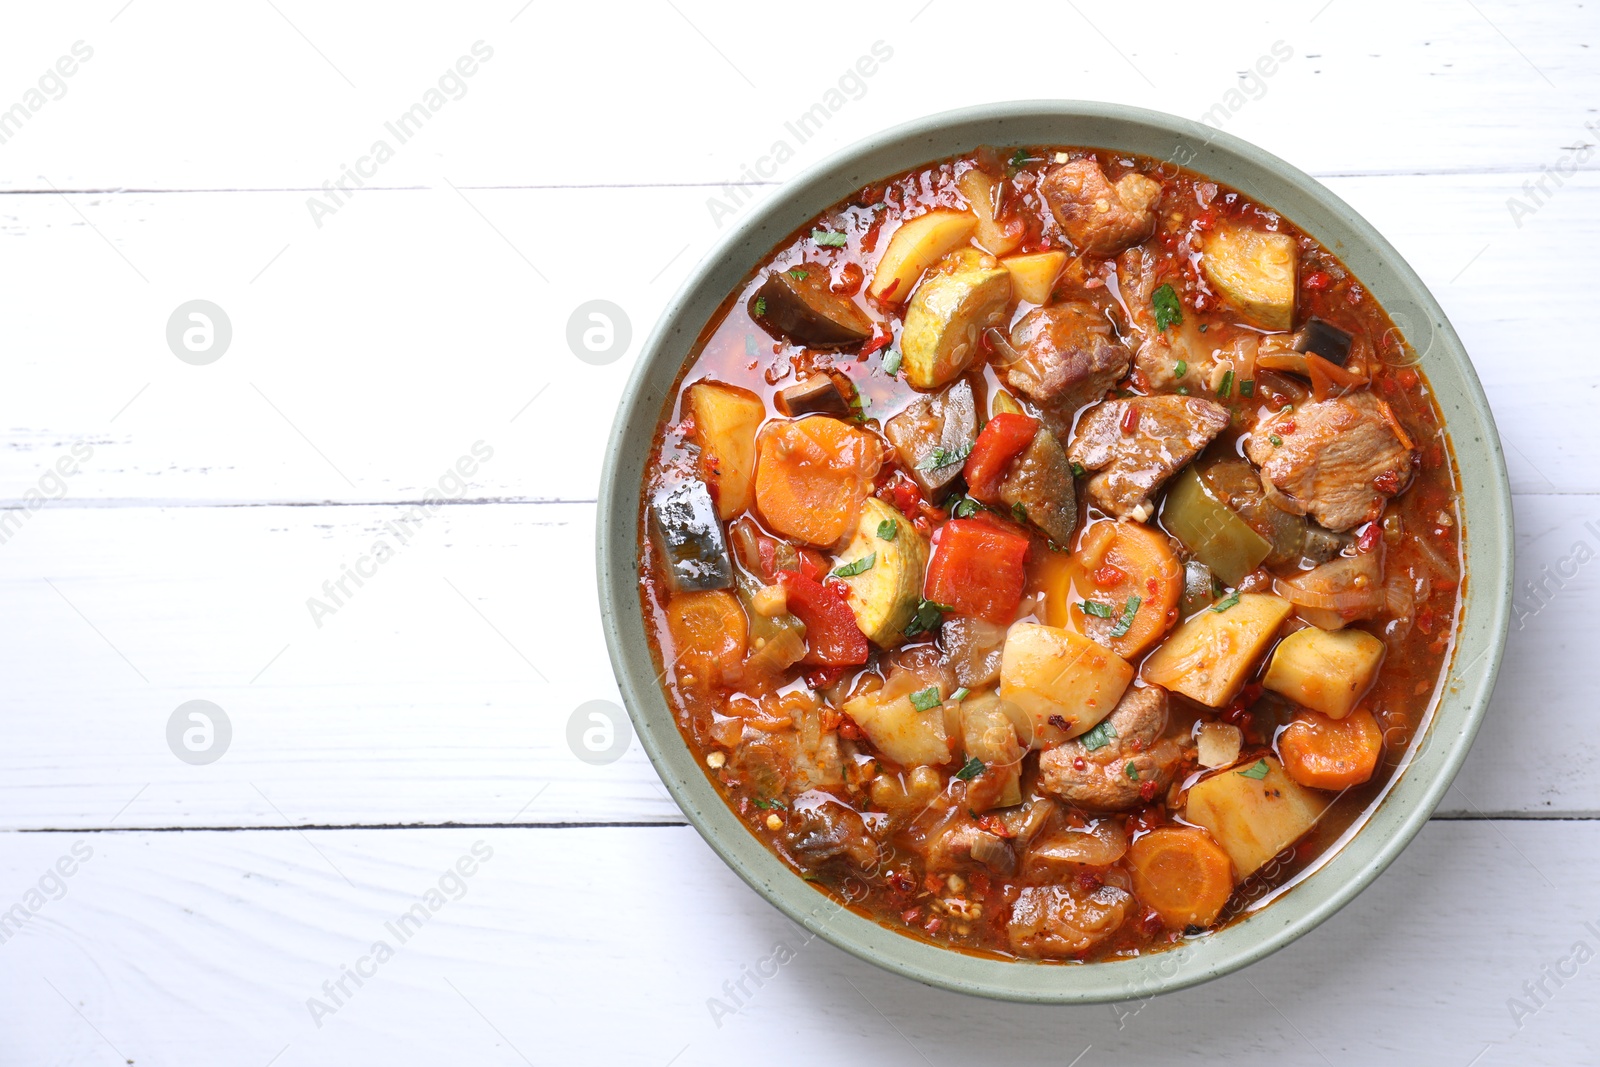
<point x="1002" y="440"/>
<point x="977" y="569"/>
<point x="832" y="637"/>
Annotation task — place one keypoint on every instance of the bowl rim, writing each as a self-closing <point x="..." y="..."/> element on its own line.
<point x="1348" y="867"/>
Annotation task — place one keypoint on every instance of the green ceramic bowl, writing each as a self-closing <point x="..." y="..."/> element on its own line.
<point x="1415" y="791"/>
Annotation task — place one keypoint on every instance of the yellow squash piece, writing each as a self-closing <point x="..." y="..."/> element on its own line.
<point x="1325" y="670"/>
<point x="1033" y="275"/>
<point x="884" y="596"/>
<point x="726" y="418"/>
<point x="1256" y="271"/>
<point x="964" y="295"/>
<point x="1253" y="818"/>
<point x="978" y="188"/>
<point x="1063" y="681"/>
<point x="1210" y="655"/>
<point x="916" y="246"/>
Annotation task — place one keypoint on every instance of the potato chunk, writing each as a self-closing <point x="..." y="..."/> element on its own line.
<point x="1209" y="656"/>
<point x="1063" y="681"/>
<point x="1033" y="275"/>
<point x="1253" y="811"/>
<point x="965" y="294"/>
<point x="726" y="418"/>
<point x="895" y="725"/>
<point x="997" y="240"/>
<point x="917" y="245"/>
<point x="884" y="594"/>
<point x="1256" y="272"/>
<point x="988" y="734"/>
<point x="1326" y="670"/>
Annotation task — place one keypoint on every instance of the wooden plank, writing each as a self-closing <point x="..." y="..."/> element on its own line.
<point x="407" y="705"/>
<point x="610" y="946"/>
<point x="360" y="367"/>
<point x="710" y="87"/>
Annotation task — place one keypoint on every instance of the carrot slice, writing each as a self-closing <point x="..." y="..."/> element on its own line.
<point x="812" y="475"/>
<point x="710" y="635"/>
<point x="1326" y="753"/>
<point x="1183" y="875"/>
<point x="1117" y="562"/>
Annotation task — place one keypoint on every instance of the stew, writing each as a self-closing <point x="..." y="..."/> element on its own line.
<point x="1051" y="552"/>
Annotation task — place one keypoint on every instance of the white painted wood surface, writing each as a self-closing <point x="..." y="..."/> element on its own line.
<point x="428" y="313"/>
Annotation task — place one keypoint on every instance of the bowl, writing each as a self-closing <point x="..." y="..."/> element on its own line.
<point x="1417" y="787"/>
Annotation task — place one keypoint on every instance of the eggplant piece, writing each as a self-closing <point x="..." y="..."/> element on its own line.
<point x="817" y="395"/>
<point x="1040" y="488"/>
<point x="936" y="428"/>
<point x="797" y="304"/>
<point x="683" y="522"/>
<point x="1325" y="339"/>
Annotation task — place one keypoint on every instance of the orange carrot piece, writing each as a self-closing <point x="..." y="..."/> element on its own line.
<point x="1325" y="753"/>
<point x="1181" y="874"/>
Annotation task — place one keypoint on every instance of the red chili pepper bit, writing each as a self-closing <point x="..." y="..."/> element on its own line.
<point x="1318" y="280"/>
<point x="1107" y="576"/>
<point x="1287" y="427"/>
<point x="822" y="678"/>
<point x="1079" y="763"/>
<point x="1130" y="419"/>
<point x="887" y="293"/>
<point x="933" y="883"/>
<point x="1369" y="537"/>
<point x="1147" y="791"/>
<point x="1387" y="483"/>
<point x="911" y="916"/>
<point x="934" y="925"/>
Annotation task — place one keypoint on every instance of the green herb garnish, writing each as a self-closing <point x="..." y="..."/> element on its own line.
<point x="855" y="567"/>
<point x="887" y="529"/>
<point x="761" y="306"/>
<point x="1183" y="390"/>
<point x="1168" y="311"/>
<point x="943" y="457"/>
<point x="1019" y="512"/>
<point x="1126" y="621"/>
<point x="797" y="274"/>
<point x="1018" y="158"/>
<point x="965" y="508"/>
<point x="891" y="362"/>
<point x="768" y="805"/>
<point x="930" y="613"/>
<point x="1099" y="737"/>
<point x="829" y="239"/>
<point x="970" y="769"/>
<point x="1221" y="606"/>
<point x="926" y="699"/>
<point x="1257" y="770"/>
<point x="1180" y="368"/>
<point x="1132" y="771"/>
<point x="1247" y="388"/>
<point x="959" y="695"/>
<point x="1227" y="384"/>
<point x="1275" y="439"/>
<point x="1097" y="609"/>
<point x="1077" y="469"/>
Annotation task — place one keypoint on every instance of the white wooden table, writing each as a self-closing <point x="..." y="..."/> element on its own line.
<point x="377" y="340"/>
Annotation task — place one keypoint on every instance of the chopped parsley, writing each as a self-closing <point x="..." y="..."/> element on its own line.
<point x="970" y="769"/>
<point x="829" y="239"/>
<point x="1227" y="384"/>
<point x="943" y="457"/>
<point x="1257" y="770"/>
<point x="1125" y="622"/>
<point x="1168" y="311"/>
<point x="855" y="567"/>
<point x="965" y="508"/>
<point x="1224" y="605"/>
<point x="1077" y="469"/>
<point x="959" y="695"/>
<point x="797" y="274"/>
<point x="1183" y="390"/>
<point x="761" y="306"/>
<point x="1099" y="737"/>
<point x="1019" y="512"/>
<point x="1180" y="368"/>
<point x="891" y="362"/>
<point x="1018" y="158"/>
<point x="1132" y="771"/>
<point x="887" y="529"/>
<point x="1247" y="388"/>
<point x="930" y="613"/>
<point x="768" y="805"/>
<point x="1097" y="609"/>
<point x="1275" y="439"/>
<point x="926" y="699"/>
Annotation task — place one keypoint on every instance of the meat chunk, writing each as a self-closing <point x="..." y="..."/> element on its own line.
<point x="1337" y="460"/>
<point x="1067" y="356"/>
<point x="1065" y="920"/>
<point x="821" y="828"/>
<point x="1101" y="219"/>
<point x="1040" y="484"/>
<point x="1130" y="737"/>
<point x="963" y="842"/>
<point x="1135" y="453"/>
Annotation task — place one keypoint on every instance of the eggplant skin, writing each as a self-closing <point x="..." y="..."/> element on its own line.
<point x="797" y="304"/>
<point x="683" y="523"/>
